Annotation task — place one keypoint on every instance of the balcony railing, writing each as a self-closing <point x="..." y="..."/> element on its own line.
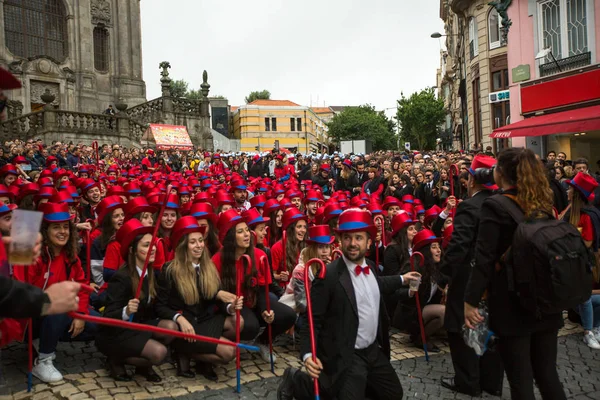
<point x="565" y="64"/>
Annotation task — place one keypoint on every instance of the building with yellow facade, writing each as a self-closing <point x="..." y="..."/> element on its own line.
<point x="263" y="124"/>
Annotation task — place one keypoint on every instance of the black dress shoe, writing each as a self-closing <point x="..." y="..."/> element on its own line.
<point x="285" y="391"/>
<point x="149" y="374"/>
<point x="449" y="383"/>
<point x="496" y="393"/>
<point x="431" y="348"/>
<point x="207" y="371"/>
<point x="118" y="371"/>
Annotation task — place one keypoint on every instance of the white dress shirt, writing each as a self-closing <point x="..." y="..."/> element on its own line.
<point x="366" y="291"/>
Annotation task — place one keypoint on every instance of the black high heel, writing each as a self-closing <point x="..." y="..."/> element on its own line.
<point x="206" y="370"/>
<point x="184" y="374"/>
<point x="118" y="371"/>
<point x="149" y="374"/>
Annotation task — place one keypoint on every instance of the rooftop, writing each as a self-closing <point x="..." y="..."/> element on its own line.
<point x="284" y="103"/>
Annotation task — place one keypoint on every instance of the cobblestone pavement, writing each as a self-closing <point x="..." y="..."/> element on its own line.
<point x="85" y="377"/>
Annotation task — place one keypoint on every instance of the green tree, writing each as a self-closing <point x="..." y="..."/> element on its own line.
<point x="364" y="122"/>
<point x="263" y="95"/>
<point x="178" y="88"/>
<point x="420" y="116"/>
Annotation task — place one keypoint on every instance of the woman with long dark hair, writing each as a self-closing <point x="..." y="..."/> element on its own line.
<point x="528" y="344"/>
<point x="189" y="294"/>
<point x="125" y="346"/>
<point x="236" y="238"/>
<point x="274" y="212"/>
<point x="206" y="218"/>
<point x="164" y="250"/>
<point x="295" y="227"/>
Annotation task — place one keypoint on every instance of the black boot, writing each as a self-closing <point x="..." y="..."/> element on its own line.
<point x="183" y="365"/>
<point x="206" y="370"/>
<point x="285" y="391"/>
<point x="117" y="370"/>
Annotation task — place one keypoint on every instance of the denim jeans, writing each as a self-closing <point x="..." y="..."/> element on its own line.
<point x="590" y="313"/>
<point x="55" y="328"/>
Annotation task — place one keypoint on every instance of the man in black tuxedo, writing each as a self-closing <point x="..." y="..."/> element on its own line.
<point x="362" y="176"/>
<point x="472" y="373"/>
<point x="350" y="324"/>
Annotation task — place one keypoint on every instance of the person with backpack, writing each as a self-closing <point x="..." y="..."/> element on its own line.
<point x="586" y="218"/>
<point x="513" y="264"/>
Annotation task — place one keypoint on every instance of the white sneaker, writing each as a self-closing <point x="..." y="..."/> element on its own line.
<point x="596" y="332"/>
<point x="266" y="354"/>
<point x="45" y="371"/>
<point x="591" y="341"/>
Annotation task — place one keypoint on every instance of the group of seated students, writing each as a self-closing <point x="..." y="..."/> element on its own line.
<point x="190" y="284"/>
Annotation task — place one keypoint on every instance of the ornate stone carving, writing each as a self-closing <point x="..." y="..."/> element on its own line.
<point x="38" y="88"/>
<point x="16" y="67"/>
<point x="44" y="66"/>
<point x="100" y="10"/>
<point x="69" y="74"/>
<point x="502" y="7"/>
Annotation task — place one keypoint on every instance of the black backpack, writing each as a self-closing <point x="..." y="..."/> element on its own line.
<point x="547" y="265"/>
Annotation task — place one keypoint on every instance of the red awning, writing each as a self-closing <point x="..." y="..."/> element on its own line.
<point x="574" y="121"/>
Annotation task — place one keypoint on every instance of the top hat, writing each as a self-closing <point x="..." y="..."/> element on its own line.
<point x="88" y="184"/>
<point x="8" y="81"/>
<point x="293" y="193"/>
<point x="390" y="201"/>
<point x="270" y="206"/>
<point x="228" y="220"/>
<point x="320" y="234"/>
<point x="401" y="220"/>
<point x="408" y="198"/>
<point x="184" y="226"/>
<point x="447" y="236"/>
<point x="128" y="232"/>
<point x="216" y="156"/>
<point x="312" y="196"/>
<point x="358" y="202"/>
<point x="356" y="220"/>
<point x="375" y="208"/>
<point x="432" y="213"/>
<point x="6" y="208"/>
<point x="258" y="201"/>
<point x="133" y="187"/>
<point x="481" y="161"/>
<point x="116" y="191"/>
<point x="237" y="184"/>
<point x="291" y="216"/>
<point x="253" y="217"/>
<point x="45" y="192"/>
<point x="8" y="169"/>
<point x="20" y="160"/>
<point x="224" y="198"/>
<point x="332" y="210"/>
<point x="584" y="184"/>
<point x="203" y="211"/>
<point x="138" y="205"/>
<point x="325" y="167"/>
<point x="62" y="196"/>
<point x="347" y="163"/>
<point x="4" y="192"/>
<point x="26" y="189"/>
<point x="423" y="238"/>
<point x="108" y="204"/>
<point x="56" y="212"/>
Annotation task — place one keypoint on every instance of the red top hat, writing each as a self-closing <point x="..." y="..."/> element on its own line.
<point x="228" y="220"/>
<point x="285" y="203"/>
<point x="292" y="215"/>
<point x="107" y="205"/>
<point x="63" y="196"/>
<point x="150" y="151"/>
<point x="128" y="232"/>
<point x="116" y="191"/>
<point x="258" y="201"/>
<point x="408" y="198"/>
<point x="6" y="208"/>
<point x="401" y="220"/>
<point x="56" y="212"/>
<point x="133" y="187"/>
<point x="8" y="81"/>
<point x="408" y="208"/>
<point x="204" y="197"/>
<point x="356" y="220"/>
<point x="270" y="206"/>
<point x="358" y="202"/>
<point x="293" y="193"/>
<point x="423" y="238"/>
<point x="325" y="167"/>
<point x="8" y="169"/>
<point x="224" y="198"/>
<point x="155" y="199"/>
<point x="278" y="189"/>
<point x="432" y="213"/>
<point x="375" y="208"/>
<point x="320" y="234"/>
<point x="481" y="161"/>
<point x="203" y="211"/>
<point x="584" y="184"/>
<point x="237" y="184"/>
<point x="390" y="201"/>
<point x="27" y="189"/>
<point x="88" y="184"/>
<point x="4" y="192"/>
<point x="44" y="193"/>
<point x="185" y="226"/>
<point x="312" y="196"/>
<point x="20" y="160"/>
<point x="137" y="205"/>
<point x="252" y="217"/>
<point x="332" y="210"/>
<point x="172" y="202"/>
<point x="447" y="235"/>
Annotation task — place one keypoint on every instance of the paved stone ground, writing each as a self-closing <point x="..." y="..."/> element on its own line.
<point x="85" y="376"/>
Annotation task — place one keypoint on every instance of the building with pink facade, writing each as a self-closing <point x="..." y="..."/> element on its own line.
<point x="554" y="67"/>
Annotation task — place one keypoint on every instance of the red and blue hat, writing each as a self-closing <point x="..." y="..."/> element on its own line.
<point x="4" y="192"/>
<point x="320" y="234"/>
<point x="172" y="202"/>
<point x="20" y="160"/>
<point x="137" y="205"/>
<point x="358" y="202"/>
<point x="285" y="203"/>
<point x="423" y="238"/>
<point x="347" y="163"/>
<point x="237" y="184"/>
<point x="408" y="198"/>
<point x="45" y="192"/>
<point x="228" y="220"/>
<point x="584" y="184"/>
<point x="325" y="167"/>
<point x="8" y="169"/>
<point x="481" y="161"/>
<point x="128" y="232"/>
<point x="6" y="208"/>
<point x="375" y="208"/>
<point x="432" y="213"/>
<point x="270" y="206"/>
<point x="252" y="217"/>
<point x="224" y="198"/>
<point x="203" y="211"/>
<point x="400" y="221"/>
<point x="88" y="184"/>
<point x="107" y="205"/>
<point x="26" y="190"/>
<point x="332" y="210"/>
<point x="185" y="226"/>
<point x="62" y="196"/>
<point x="258" y="201"/>
<point x="291" y="216"/>
<point x="390" y="201"/>
<point x="56" y="212"/>
<point x="356" y="220"/>
<point x="116" y="191"/>
<point x="312" y="196"/>
<point x="133" y="187"/>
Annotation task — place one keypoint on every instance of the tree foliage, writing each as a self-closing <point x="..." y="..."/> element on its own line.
<point x="364" y="122"/>
<point x="255" y="95"/>
<point x="419" y="117"/>
<point x="180" y="88"/>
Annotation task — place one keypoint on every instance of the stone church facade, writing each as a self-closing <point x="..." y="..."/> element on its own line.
<point x="87" y="53"/>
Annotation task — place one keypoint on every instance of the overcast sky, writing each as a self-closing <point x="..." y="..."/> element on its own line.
<point x="339" y="52"/>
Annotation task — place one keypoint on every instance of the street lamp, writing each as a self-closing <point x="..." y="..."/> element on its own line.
<point x="437" y="35"/>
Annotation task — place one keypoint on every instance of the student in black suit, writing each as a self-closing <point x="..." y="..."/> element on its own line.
<point x="124" y="346"/>
<point x="472" y="373"/>
<point x="528" y="344"/>
<point x="351" y="324"/>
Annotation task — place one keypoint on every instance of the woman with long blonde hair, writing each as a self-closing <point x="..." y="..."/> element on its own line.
<point x="189" y="294"/>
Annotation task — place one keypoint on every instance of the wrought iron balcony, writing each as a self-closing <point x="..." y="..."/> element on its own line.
<point x="566" y="64"/>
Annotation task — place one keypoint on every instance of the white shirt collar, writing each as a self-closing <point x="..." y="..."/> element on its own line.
<point x="352" y="265"/>
<point x="196" y="266"/>
<point x="139" y="270"/>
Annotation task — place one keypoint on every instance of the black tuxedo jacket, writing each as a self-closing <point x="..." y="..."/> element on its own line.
<point x="456" y="264"/>
<point x="335" y="315"/>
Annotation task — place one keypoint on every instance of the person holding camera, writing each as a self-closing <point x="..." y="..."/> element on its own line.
<point x="472" y="373"/>
<point x="527" y="342"/>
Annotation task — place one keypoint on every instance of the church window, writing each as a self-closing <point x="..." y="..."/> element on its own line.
<point x="101" y="48"/>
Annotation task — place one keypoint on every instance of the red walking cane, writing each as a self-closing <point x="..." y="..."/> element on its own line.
<point x="266" y="272"/>
<point x="88" y="252"/>
<point x="335" y="254"/>
<point x="379" y="218"/>
<point x="284" y="261"/>
<point x="452" y="174"/>
<point x="152" y="244"/>
<point x="418" y="300"/>
<point x="239" y="277"/>
<point x="30" y="349"/>
<point x="321" y="275"/>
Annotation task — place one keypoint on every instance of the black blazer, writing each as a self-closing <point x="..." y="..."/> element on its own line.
<point x="456" y="264"/>
<point x="335" y="315"/>
<point x="169" y="302"/>
<point x="408" y="189"/>
<point x="118" y="294"/>
<point x="395" y="260"/>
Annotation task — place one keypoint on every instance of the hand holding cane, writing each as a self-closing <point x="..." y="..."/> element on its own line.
<point x="418" y="300"/>
<point x="267" y="272"/>
<point x="240" y="273"/>
<point x="152" y="244"/>
<point x="335" y="254"/>
<point x="307" y="284"/>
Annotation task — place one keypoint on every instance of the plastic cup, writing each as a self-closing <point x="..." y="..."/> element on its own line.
<point x="414" y="285"/>
<point x="24" y="233"/>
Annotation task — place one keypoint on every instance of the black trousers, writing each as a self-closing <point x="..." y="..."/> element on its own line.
<point x="285" y="318"/>
<point x="532" y="357"/>
<point x="471" y="372"/>
<point x="369" y="372"/>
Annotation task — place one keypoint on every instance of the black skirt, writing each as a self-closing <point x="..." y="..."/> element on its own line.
<point x="123" y="343"/>
<point x="212" y="327"/>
